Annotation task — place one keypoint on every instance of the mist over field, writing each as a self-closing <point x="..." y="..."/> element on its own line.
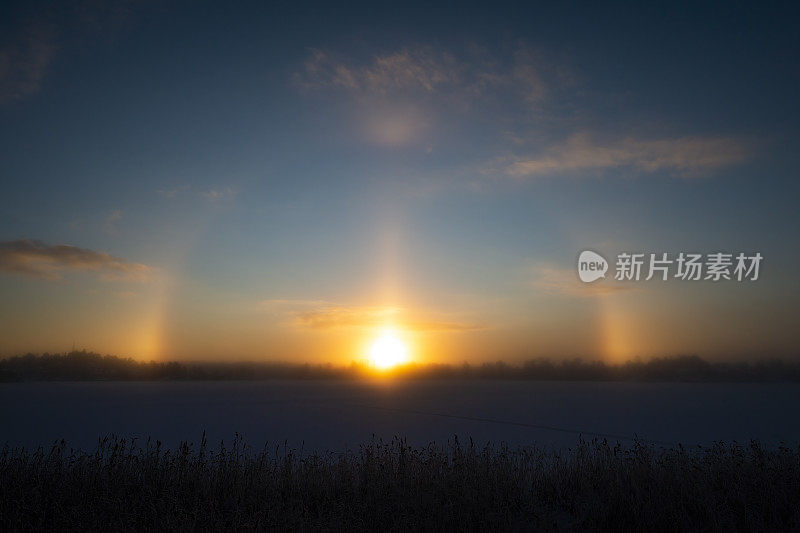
<point x="82" y="397"/>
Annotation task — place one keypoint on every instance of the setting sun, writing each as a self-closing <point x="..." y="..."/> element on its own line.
<point x="387" y="351"/>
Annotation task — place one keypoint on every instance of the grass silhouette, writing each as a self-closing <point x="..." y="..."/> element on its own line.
<point x="391" y="486"/>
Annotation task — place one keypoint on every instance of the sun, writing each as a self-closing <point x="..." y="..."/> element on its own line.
<point x="387" y="351"/>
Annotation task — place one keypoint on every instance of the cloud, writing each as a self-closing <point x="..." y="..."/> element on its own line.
<point x="685" y="156"/>
<point x="409" y="95"/>
<point x="562" y="281"/>
<point x="333" y="316"/>
<point x="403" y="96"/>
<point x="522" y="73"/>
<point x="284" y="305"/>
<point x="32" y="47"/>
<point x="219" y="194"/>
<point x="126" y="295"/>
<point x="213" y="195"/>
<point x="438" y="325"/>
<point x="36" y="259"/>
<point x="415" y="68"/>
<point x="321" y="315"/>
<point x="122" y="295"/>
<point x="24" y="63"/>
<point x="172" y="193"/>
<point x="527" y="75"/>
<point x="110" y="225"/>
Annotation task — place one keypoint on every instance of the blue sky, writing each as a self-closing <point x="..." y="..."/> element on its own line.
<point x="281" y="182"/>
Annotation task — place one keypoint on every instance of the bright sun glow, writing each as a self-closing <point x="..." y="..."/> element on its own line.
<point x="387" y="351"/>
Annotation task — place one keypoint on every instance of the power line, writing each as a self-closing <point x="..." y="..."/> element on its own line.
<point x="519" y="424"/>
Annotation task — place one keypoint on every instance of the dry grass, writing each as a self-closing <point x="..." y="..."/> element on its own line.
<point x="391" y="486"/>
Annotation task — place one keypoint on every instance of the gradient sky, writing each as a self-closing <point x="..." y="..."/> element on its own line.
<point x="185" y="180"/>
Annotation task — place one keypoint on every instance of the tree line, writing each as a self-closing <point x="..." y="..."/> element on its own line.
<point x="89" y="366"/>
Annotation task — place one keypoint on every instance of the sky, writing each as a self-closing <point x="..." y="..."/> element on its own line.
<point x="290" y="181"/>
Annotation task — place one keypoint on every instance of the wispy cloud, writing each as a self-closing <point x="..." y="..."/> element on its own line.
<point x="287" y="304"/>
<point x="685" y="156"/>
<point x="24" y="63"/>
<point x="522" y="73"/>
<point x="415" y="68"/>
<point x="50" y="262"/>
<point x="110" y="225"/>
<point x="172" y="192"/>
<point x="334" y="316"/>
<point x="403" y="97"/>
<point x="31" y="48"/>
<point x="122" y="295"/>
<point x="560" y="281"/>
<point x="321" y="315"/>
<point x="219" y="194"/>
<point x="126" y="295"/>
